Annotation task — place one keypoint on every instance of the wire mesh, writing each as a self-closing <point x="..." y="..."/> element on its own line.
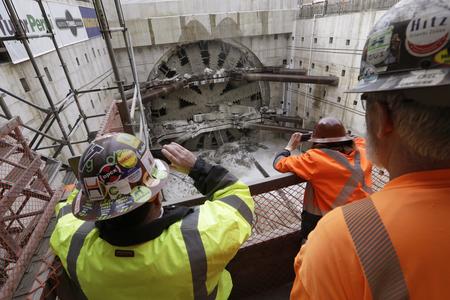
<point x="25" y="195"/>
<point x="278" y="212"/>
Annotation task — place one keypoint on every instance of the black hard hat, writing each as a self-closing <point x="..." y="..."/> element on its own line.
<point x="117" y="175"/>
<point x="408" y="48"/>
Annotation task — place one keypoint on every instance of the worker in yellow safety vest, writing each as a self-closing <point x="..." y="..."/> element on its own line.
<point x="116" y="240"/>
<point x="336" y="169"/>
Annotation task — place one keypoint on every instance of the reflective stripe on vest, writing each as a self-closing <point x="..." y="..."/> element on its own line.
<point x="65" y="210"/>
<point x="375" y="251"/>
<point x="356" y="176"/>
<point x="309" y="204"/>
<point x="237" y="203"/>
<point x="197" y="256"/>
<point x="75" y="248"/>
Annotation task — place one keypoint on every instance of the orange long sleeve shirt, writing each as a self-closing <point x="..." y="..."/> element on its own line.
<point x="415" y="209"/>
<point x="328" y="177"/>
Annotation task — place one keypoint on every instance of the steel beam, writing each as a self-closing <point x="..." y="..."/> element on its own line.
<point x="326" y="80"/>
<point x="273" y="128"/>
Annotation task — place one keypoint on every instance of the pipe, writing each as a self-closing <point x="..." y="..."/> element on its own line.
<point x="24" y="101"/>
<point x="124" y="112"/>
<point x="310" y="55"/>
<point x="5" y="107"/>
<point x="274" y="128"/>
<point x="327" y="80"/>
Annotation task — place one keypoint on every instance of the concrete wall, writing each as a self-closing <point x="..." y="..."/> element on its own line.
<point x="339" y="57"/>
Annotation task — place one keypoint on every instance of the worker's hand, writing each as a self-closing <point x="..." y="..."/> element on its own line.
<point x="294" y="141"/>
<point x="181" y="158"/>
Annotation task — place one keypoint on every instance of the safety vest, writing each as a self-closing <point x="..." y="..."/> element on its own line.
<point x="354" y="185"/>
<point x="187" y="261"/>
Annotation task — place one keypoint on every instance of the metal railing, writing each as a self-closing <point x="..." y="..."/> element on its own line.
<point x="343" y="7"/>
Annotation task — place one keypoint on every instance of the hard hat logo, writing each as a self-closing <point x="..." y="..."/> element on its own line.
<point x="428" y="33"/>
<point x="109" y="174"/>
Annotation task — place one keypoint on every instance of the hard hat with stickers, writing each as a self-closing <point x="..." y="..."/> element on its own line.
<point x="117" y="174"/>
<point x="408" y="48"/>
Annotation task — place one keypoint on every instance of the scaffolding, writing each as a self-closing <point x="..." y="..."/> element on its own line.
<point x="132" y="122"/>
<point x="27" y="199"/>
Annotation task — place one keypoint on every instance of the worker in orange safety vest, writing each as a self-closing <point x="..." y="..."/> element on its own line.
<point x="394" y="244"/>
<point x="336" y="168"/>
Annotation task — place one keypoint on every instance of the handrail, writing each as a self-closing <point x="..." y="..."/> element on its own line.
<point x="256" y="187"/>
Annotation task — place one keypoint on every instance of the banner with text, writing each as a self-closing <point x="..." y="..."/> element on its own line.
<point x="69" y="24"/>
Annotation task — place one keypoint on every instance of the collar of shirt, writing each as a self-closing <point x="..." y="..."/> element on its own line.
<point x="439" y="177"/>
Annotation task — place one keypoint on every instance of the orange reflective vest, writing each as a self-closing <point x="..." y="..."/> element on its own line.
<point x="334" y="178"/>
<point x="394" y="245"/>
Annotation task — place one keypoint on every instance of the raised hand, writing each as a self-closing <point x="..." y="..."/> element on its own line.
<point x="294" y="141"/>
<point x="182" y="159"/>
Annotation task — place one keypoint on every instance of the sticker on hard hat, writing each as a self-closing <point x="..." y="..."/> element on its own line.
<point x="126" y="158"/>
<point x="141" y="194"/>
<point x="109" y="174"/>
<point x="443" y="57"/>
<point x="422" y="78"/>
<point x="128" y="140"/>
<point x="93" y="188"/>
<point x="378" y="46"/>
<point x="121" y="187"/>
<point x="428" y="32"/>
<point x="135" y="175"/>
<point x="87" y="159"/>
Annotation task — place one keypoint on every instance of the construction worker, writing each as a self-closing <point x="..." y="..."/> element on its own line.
<point x="394" y="244"/>
<point x="336" y="170"/>
<point x="117" y="241"/>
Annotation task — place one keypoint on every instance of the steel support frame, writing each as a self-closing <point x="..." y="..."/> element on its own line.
<point x="106" y="32"/>
<point x="21" y="36"/>
<point x="63" y="64"/>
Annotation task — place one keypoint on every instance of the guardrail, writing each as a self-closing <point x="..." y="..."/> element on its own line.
<point x="342" y="7"/>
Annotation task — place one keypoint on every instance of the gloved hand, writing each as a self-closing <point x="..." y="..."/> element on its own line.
<point x="182" y="159"/>
<point x="294" y="141"/>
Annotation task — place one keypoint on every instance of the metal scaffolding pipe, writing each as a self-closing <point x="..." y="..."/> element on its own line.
<point x="24" y="101"/>
<point x="22" y="37"/>
<point x="63" y="64"/>
<point x="327" y="80"/>
<point x="137" y="95"/>
<point x="124" y="112"/>
<point x="100" y="89"/>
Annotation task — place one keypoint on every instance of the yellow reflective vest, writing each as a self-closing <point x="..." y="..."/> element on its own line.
<point x="187" y="261"/>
